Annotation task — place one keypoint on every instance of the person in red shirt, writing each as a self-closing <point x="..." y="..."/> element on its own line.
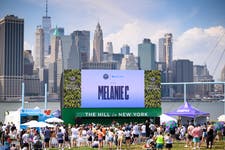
<point x="196" y="133"/>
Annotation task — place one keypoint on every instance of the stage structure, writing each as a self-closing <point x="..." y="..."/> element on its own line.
<point x="104" y="96"/>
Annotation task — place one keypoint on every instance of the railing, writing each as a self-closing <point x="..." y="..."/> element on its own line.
<point x="194" y="83"/>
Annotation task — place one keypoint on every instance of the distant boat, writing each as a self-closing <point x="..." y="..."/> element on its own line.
<point x="210" y="99"/>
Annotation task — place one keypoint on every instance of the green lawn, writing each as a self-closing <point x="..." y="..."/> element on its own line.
<point x="219" y="145"/>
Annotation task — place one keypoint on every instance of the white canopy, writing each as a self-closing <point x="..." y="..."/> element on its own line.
<point x="41" y="125"/>
<point x="165" y="118"/>
<point x="30" y="123"/>
<point x="54" y="120"/>
<point x="14" y="117"/>
<point x="36" y="124"/>
<point x="221" y="118"/>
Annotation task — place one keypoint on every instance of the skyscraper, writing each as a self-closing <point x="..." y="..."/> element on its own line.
<point x="129" y="63"/>
<point x="98" y="44"/>
<point x="56" y="63"/>
<point x="109" y="47"/>
<point x="182" y="72"/>
<point x="74" y="54"/>
<point x="31" y="81"/>
<point x="28" y="62"/>
<point x="82" y="44"/>
<point x="166" y="50"/>
<point x="169" y="49"/>
<point x="117" y="57"/>
<point x="147" y="55"/>
<point x="39" y="48"/>
<point x="55" y="46"/>
<point x="46" y="24"/>
<point x="201" y="74"/>
<point x="60" y="69"/>
<point x="11" y="56"/>
<point x="161" y="50"/>
<point x="60" y="30"/>
<point x="125" y="49"/>
<point x="66" y="46"/>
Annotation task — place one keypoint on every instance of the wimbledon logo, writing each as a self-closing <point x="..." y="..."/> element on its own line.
<point x="105" y="76"/>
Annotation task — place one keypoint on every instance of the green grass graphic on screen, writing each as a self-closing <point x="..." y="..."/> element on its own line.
<point x="72" y="88"/>
<point x="152" y="89"/>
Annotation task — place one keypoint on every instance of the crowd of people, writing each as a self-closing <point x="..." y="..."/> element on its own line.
<point x="149" y="135"/>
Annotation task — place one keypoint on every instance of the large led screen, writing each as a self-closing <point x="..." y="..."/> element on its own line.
<point x="112" y="88"/>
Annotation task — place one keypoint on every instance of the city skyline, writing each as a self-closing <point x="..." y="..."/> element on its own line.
<point x="198" y="27"/>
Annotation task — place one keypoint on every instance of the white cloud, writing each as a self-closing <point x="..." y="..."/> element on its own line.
<point x="133" y="33"/>
<point x="202" y="46"/>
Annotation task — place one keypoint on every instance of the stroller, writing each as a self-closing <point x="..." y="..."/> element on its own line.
<point x="150" y="144"/>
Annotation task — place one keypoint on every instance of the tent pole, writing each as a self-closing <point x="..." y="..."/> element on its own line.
<point x="224" y="98"/>
<point x="185" y="93"/>
<point x="194" y="121"/>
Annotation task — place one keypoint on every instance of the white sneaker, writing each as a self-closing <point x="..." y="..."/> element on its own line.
<point x="185" y="146"/>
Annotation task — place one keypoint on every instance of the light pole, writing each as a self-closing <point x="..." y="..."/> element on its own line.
<point x="22" y="95"/>
<point x="46" y="94"/>
<point x="224" y="98"/>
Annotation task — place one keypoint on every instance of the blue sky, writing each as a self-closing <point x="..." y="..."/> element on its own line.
<point x="196" y="24"/>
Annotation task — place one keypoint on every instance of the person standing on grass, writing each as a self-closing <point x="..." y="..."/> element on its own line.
<point x="90" y="136"/>
<point x="169" y="141"/>
<point x="66" y="138"/>
<point x="204" y="133"/>
<point x="143" y="133"/>
<point x="120" y="138"/>
<point x="196" y="133"/>
<point x="147" y="125"/>
<point x="209" y="138"/>
<point x="47" y="135"/>
<point x="74" y="136"/>
<point x="100" y="138"/>
<point x="60" y="138"/>
<point x="189" y="136"/>
<point x="127" y="137"/>
<point x="110" y="135"/>
<point x="135" y="133"/>
<point x="159" y="141"/>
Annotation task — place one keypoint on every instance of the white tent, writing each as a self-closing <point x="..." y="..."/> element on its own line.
<point x="221" y="118"/>
<point x="165" y="118"/>
<point x="41" y="125"/>
<point x="54" y="120"/>
<point x="13" y="117"/>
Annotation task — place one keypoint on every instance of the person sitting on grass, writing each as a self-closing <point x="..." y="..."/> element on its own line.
<point x="95" y="143"/>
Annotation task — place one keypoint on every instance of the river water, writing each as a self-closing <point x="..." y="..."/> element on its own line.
<point x="214" y="108"/>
